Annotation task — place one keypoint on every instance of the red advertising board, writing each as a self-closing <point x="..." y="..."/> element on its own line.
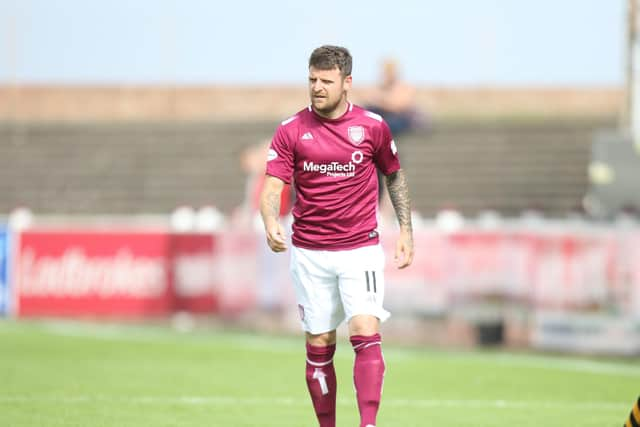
<point x="551" y="270"/>
<point x="194" y="272"/>
<point x="143" y="273"/>
<point x="85" y="273"/>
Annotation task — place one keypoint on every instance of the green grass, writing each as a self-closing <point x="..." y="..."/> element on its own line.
<point x="74" y="374"/>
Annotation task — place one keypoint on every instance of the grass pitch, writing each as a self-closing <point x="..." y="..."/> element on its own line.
<point x="76" y="374"/>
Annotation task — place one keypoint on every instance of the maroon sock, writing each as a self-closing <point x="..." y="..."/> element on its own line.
<point x="368" y="375"/>
<point x="321" y="381"/>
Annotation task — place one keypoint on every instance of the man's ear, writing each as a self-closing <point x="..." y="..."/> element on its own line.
<point x="347" y="82"/>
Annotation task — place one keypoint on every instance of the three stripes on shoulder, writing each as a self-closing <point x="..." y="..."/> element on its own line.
<point x="634" y="416"/>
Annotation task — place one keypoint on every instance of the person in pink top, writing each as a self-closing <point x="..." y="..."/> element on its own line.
<point x="330" y="151"/>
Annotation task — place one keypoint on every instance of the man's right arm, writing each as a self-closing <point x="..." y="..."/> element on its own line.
<point x="270" y="211"/>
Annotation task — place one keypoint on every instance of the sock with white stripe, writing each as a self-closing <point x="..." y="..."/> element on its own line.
<point x="321" y="382"/>
<point x="368" y="375"/>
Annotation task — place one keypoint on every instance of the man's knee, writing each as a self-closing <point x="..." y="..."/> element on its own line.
<point x="322" y="340"/>
<point x="364" y="324"/>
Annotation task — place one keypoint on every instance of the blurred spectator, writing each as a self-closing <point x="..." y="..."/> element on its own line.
<point x="272" y="280"/>
<point x="253" y="162"/>
<point x="395" y="100"/>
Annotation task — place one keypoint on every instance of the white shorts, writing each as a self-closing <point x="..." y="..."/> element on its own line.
<point x="332" y="286"/>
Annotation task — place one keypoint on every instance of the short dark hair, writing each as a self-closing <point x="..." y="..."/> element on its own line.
<point x="328" y="57"/>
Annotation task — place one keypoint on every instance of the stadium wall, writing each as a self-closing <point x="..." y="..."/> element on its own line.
<point x="251" y="103"/>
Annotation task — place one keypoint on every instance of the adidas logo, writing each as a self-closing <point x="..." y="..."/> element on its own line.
<point x="307" y="135"/>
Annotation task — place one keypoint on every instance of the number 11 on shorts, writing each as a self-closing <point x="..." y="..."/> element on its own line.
<point x="371" y="281"/>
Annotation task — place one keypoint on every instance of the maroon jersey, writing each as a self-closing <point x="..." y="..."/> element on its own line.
<point x="332" y="163"/>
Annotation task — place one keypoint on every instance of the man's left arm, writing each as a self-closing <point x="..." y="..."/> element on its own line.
<point x="399" y="193"/>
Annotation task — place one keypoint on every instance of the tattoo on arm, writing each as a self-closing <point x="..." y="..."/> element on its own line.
<point x="399" y="194"/>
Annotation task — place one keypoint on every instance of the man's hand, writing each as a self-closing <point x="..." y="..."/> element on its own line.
<point x="276" y="237"/>
<point x="404" y="249"/>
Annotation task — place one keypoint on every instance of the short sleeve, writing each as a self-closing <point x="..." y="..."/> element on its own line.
<point x="280" y="156"/>
<point x="386" y="154"/>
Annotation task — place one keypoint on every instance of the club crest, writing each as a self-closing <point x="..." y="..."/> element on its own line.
<point x="356" y="134"/>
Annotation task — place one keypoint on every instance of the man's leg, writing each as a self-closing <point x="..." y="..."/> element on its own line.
<point x="321" y="376"/>
<point x="368" y="369"/>
<point x="634" y="416"/>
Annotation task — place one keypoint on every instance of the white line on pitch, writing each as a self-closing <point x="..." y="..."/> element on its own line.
<point x="287" y="401"/>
